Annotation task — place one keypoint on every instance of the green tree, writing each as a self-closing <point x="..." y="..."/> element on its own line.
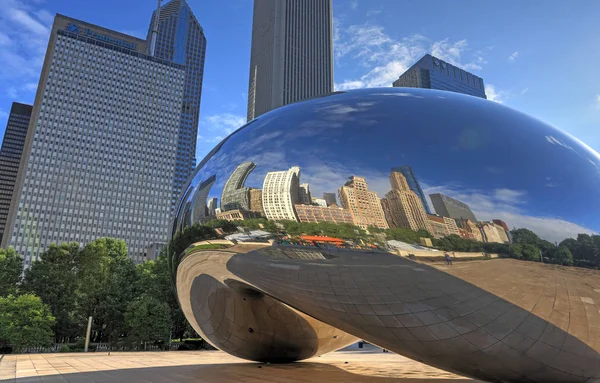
<point x="148" y="319"/>
<point x="54" y="279"/>
<point x="119" y="290"/>
<point x="561" y="255"/>
<point x="11" y="268"/>
<point x="25" y="321"/>
<point x="531" y="253"/>
<point x="524" y="237"/>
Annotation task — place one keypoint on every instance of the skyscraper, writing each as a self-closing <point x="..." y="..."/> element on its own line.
<point x="432" y="73"/>
<point x="100" y="153"/>
<point x="10" y="156"/>
<point x="212" y="207"/>
<point x="235" y="195"/>
<point x="180" y="39"/>
<point x="280" y="194"/>
<point x="364" y="205"/>
<point x="413" y="184"/>
<point x="405" y="206"/>
<point x="291" y="54"/>
<point x="451" y="207"/>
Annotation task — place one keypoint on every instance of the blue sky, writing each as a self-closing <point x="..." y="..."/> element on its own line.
<point x="541" y="60"/>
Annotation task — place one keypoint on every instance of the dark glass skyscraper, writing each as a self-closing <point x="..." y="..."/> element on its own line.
<point x="432" y="73"/>
<point x="10" y="156"/>
<point x="413" y="184"/>
<point x="180" y="39"/>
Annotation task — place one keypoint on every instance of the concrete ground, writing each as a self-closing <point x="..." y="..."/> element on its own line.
<point x="216" y="366"/>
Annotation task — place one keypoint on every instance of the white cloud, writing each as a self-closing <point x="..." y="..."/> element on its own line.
<point x="373" y="12"/>
<point x="494" y="94"/>
<point x="525" y="90"/>
<point x="509" y="206"/>
<point x="354" y="4"/>
<point x="385" y="58"/>
<point x="598" y="100"/>
<point x="216" y="127"/>
<point x="24" y="38"/>
<point x="513" y="56"/>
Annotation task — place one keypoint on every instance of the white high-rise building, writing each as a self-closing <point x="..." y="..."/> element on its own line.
<point x="280" y="194"/>
<point x="292" y="53"/>
<point x="100" y="156"/>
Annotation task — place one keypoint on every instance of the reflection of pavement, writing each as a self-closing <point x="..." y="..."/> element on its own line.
<point x="216" y="366"/>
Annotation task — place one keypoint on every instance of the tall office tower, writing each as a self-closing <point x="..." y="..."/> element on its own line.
<point x="364" y="205"/>
<point x="451" y="207"/>
<point x="405" y="205"/>
<point x="291" y="55"/>
<point x="180" y="39"/>
<point x="304" y="194"/>
<point x="10" y="156"/>
<point x="413" y="184"/>
<point x="330" y="198"/>
<point x="387" y="211"/>
<point x="99" y="157"/>
<point x="280" y="194"/>
<point x="235" y="195"/>
<point x="432" y="73"/>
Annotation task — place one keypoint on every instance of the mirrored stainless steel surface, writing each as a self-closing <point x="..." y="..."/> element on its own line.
<point x="348" y="202"/>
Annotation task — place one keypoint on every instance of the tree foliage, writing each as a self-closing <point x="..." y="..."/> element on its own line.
<point x="11" y="268"/>
<point x="25" y="321"/>
<point x="148" y="319"/>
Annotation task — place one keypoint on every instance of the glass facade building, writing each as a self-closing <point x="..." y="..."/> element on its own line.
<point x="432" y="73"/>
<point x="10" y="156"/>
<point x="181" y="39"/>
<point x="100" y="155"/>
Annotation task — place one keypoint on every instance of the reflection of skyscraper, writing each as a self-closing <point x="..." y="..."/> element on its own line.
<point x="442" y="226"/>
<point x="304" y="194"/>
<point x="334" y="214"/>
<point x="256" y="201"/>
<point x="212" y="207"/>
<point x="280" y="194"/>
<point x="505" y="227"/>
<point x="432" y="73"/>
<point x="413" y="184"/>
<point x="330" y="198"/>
<point x="387" y="211"/>
<point x="450" y="207"/>
<point x="363" y="204"/>
<point x="405" y="206"/>
<point x="198" y="213"/>
<point x="291" y="54"/>
<point x="470" y="227"/>
<point x="235" y="195"/>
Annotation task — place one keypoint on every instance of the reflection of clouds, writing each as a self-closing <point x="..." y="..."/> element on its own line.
<point x="507" y="205"/>
<point x="555" y="141"/>
<point x="403" y="94"/>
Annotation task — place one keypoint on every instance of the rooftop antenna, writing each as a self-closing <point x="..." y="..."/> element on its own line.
<point x="155" y="29"/>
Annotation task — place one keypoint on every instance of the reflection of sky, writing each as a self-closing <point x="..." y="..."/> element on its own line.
<point x="499" y="161"/>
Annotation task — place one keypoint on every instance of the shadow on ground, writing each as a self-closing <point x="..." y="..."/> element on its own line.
<point x="241" y="372"/>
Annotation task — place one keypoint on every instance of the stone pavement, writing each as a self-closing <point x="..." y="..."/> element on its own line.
<point x="216" y="366"/>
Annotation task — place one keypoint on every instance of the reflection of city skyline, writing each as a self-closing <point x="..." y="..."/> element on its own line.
<point x="284" y="197"/>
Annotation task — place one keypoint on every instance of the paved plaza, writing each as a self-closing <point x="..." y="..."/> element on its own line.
<point x="216" y="366"/>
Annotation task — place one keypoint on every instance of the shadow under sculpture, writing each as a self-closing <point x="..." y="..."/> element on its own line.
<point x="499" y="320"/>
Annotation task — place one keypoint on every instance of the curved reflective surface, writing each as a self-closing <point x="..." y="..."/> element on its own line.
<point x="346" y="206"/>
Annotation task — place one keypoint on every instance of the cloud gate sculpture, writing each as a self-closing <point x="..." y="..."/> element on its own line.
<point x="344" y="208"/>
